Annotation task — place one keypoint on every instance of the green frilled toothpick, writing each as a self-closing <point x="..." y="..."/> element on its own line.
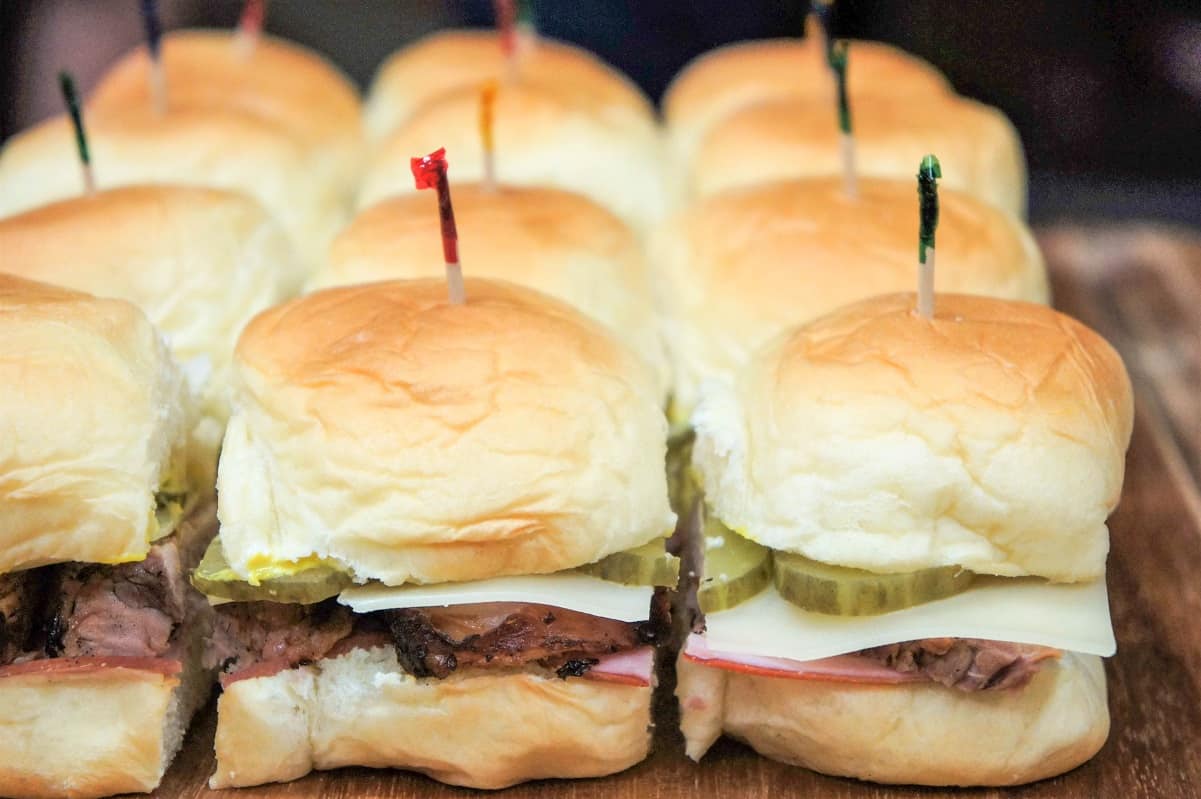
<point x="837" y="55"/>
<point x="71" y="98"/>
<point x="928" y="175"/>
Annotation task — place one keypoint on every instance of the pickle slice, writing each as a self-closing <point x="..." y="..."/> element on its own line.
<point x="842" y="591"/>
<point x="649" y="564"/>
<point x="735" y="568"/>
<point x="215" y="578"/>
<point x="682" y="485"/>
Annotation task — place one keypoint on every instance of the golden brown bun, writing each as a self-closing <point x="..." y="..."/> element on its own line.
<point x="479" y="731"/>
<point x="919" y="734"/>
<point x="199" y="262"/>
<point x="94" y="411"/>
<point x="415" y="440"/>
<point x="277" y="80"/>
<point x="978" y="147"/>
<point x="281" y="125"/>
<point x="86" y="734"/>
<point x="542" y="138"/>
<point x="559" y="243"/>
<point x="739" y="268"/>
<point x="727" y="79"/>
<point x="448" y="61"/>
<point x="991" y="437"/>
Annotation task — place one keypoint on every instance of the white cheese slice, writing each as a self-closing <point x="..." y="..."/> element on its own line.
<point x="569" y="590"/>
<point x="1074" y="618"/>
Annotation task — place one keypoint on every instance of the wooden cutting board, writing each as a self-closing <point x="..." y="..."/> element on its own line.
<point x="1141" y="288"/>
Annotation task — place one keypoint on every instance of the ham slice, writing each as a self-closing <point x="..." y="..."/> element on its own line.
<point x="632" y="667"/>
<point x="840" y="668"/>
<point x="89" y="665"/>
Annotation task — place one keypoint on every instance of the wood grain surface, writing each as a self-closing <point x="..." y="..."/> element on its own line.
<point x="1141" y="288"/>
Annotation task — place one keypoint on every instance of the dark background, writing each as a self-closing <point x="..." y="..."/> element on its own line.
<point x="1107" y="95"/>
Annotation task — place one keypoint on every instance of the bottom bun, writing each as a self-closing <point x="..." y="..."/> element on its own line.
<point x="918" y="733"/>
<point x="477" y="730"/>
<point x="94" y="732"/>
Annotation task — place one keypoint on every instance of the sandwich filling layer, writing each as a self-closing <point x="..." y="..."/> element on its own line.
<point x="139" y="611"/>
<point x="256" y="639"/>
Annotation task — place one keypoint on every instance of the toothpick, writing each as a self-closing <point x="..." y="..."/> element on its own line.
<point x="71" y="98"/>
<point x="928" y="174"/>
<point x="429" y="172"/>
<point x="154" y="37"/>
<point x="250" y="27"/>
<point x="487" y="102"/>
<point x="837" y="57"/>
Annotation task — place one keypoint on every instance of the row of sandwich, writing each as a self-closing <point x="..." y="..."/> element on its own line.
<point x="687" y="409"/>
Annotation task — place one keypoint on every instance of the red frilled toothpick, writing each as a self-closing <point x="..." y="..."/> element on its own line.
<point x="250" y="26"/>
<point x="429" y="172"/>
<point x="506" y="24"/>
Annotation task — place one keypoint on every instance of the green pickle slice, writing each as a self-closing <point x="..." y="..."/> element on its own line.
<point x="735" y="568"/>
<point x="843" y="591"/>
<point x="649" y="564"/>
<point x="215" y="578"/>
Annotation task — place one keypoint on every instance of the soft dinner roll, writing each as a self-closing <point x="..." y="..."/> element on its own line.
<point x="411" y="440"/>
<point x="483" y="730"/>
<point x="978" y="147"/>
<point x="991" y="437"/>
<point x="199" y="262"/>
<point x="95" y="414"/>
<point x="280" y="125"/>
<point x="739" y="268"/>
<point x="559" y="243"/>
<point x="542" y="138"/>
<point x="277" y="81"/>
<point x="727" y="79"/>
<point x="447" y="61"/>
<point x="923" y="733"/>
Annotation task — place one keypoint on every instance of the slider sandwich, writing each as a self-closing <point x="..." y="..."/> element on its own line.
<point x="794" y="139"/>
<point x="560" y="243"/>
<point x="200" y="263"/>
<point x="547" y="135"/>
<point x="728" y="79"/>
<point x="279" y="125"/>
<point x="905" y="576"/>
<point x="441" y="528"/>
<point x="449" y="61"/>
<point x="100" y="633"/>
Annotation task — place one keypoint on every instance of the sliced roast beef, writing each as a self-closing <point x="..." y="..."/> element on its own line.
<point x="249" y="633"/>
<point x="130" y="609"/>
<point x="434" y="642"/>
<point x="968" y="664"/>
<point x="19" y="600"/>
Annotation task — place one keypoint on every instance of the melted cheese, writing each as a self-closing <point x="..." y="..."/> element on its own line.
<point x="572" y="591"/>
<point x="1074" y="618"/>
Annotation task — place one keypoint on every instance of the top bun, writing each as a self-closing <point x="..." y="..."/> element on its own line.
<point x="741" y="267"/>
<point x="559" y="243"/>
<point x="411" y="440"/>
<point x="95" y="413"/>
<point x="542" y="138"/>
<point x="978" y="147"/>
<point x="200" y="263"/>
<point x="448" y="61"/>
<point x="277" y="81"/>
<point x="281" y="126"/>
<point x="991" y="437"/>
<point x="720" y="82"/>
